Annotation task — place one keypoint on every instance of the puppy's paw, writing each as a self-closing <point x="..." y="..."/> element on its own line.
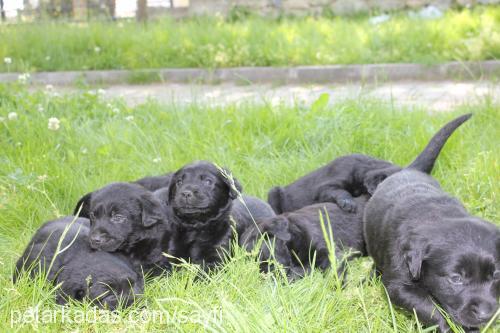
<point x="347" y="205"/>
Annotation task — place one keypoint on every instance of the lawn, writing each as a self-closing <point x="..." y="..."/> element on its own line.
<point x="213" y="42"/>
<point x="44" y="171"/>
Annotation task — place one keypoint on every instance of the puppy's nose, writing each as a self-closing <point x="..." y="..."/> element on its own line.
<point x="484" y="311"/>
<point x="187" y="194"/>
<point x="97" y="239"/>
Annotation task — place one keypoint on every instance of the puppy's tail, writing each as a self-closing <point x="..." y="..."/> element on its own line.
<point x="425" y="161"/>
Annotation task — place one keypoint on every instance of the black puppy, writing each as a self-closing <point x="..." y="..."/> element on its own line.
<point x="297" y="235"/>
<point x="106" y="279"/>
<point x="151" y="183"/>
<point x="350" y="176"/>
<point x="127" y="218"/>
<point x="201" y="199"/>
<point x="429" y="249"/>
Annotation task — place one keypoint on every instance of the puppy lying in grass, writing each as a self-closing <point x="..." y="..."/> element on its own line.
<point x="127" y="218"/>
<point x="349" y="176"/>
<point x="431" y="252"/>
<point x="298" y="237"/>
<point x="60" y="249"/>
<point x="202" y="203"/>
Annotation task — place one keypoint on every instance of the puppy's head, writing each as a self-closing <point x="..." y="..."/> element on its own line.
<point x="462" y="275"/>
<point x="276" y="234"/>
<point x="199" y="190"/>
<point x="275" y="199"/>
<point x="121" y="212"/>
<point x="107" y="281"/>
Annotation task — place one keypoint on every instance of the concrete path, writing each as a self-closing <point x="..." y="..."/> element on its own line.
<point x="435" y="96"/>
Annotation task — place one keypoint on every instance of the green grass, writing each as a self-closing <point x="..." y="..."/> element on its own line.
<point x="44" y="172"/>
<point x="214" y="42"/>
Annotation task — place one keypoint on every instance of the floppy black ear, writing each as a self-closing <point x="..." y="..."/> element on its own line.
<point x="275" y="199"/>
<point x="172" y="187"/>
<point x="279" y="228"/>
<point x="84" y="203"/>
<point x="414" y="254"/>
<point x="233" y="183"/>
<point x="152" y="210"/>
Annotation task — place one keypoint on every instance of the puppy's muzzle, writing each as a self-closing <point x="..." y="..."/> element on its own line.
<point x="97" y="240"/>
<point x="483" y="310"/>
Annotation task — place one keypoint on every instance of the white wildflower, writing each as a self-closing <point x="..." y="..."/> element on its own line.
<point x="157" y="160"/>
<point x="115" y="110"/>
<point x="7" y="60"/>
<point x="42" y="178"/>
<point x="40" y="109"/>
<point x="12" y="116"/>
<point x="23" y="78"/>
<point x="97" y="49"/>
<point x="101" y="92"/>
<point x="49" y="87"/>
<point x="47" y="58"/>
<point x="54" y="124"/>
<point x="84" y="151"/>
<point x="129" y="118"/>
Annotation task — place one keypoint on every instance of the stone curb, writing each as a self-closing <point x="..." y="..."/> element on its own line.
<point x="282" y="75"/>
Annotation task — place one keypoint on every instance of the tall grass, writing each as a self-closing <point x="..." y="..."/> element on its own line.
<point x="44" y="172"/>
<point x="212" y="42"/>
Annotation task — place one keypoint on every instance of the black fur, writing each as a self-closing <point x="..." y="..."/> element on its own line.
<point x="201" y="198"/>
<point x="104" y="278"/>
<point x="127" y="218"/>
<point x="350" y="176"/>
<point x="297" y="235"/>
<point x="428" y="247"/>
<point x="151" y="183"/>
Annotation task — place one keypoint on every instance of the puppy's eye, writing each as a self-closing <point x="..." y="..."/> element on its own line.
<point x="456" y="279"/>
<point x="179" y="182"/>
<point x="117" y="218"/>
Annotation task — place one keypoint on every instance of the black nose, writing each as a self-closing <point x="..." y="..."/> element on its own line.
<point x="483" y="311"/>
<point x="186" y="194"/>
<point x="97" y="239"/>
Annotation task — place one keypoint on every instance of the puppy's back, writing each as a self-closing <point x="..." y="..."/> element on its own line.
<point x="406" y="200"/>
<point x="43" y="245"/>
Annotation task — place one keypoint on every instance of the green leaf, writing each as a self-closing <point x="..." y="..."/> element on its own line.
<point x="320" y="103"/>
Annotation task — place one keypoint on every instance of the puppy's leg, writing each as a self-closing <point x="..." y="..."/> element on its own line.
<point x="341" y="197"/>
<point x="412" y="297"/>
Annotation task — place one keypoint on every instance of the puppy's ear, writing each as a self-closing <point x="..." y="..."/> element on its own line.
<point x="279" y="227"/>
<point x="233" y="183"/>
<point x="172" y="187"/>
<point x="84" y="203"/>
<point x="414" y="253"/>
<point x="275" y="199"/>
<point x="152" y="210"/>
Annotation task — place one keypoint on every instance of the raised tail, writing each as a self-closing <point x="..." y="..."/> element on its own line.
<point x="426" y="159"/>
